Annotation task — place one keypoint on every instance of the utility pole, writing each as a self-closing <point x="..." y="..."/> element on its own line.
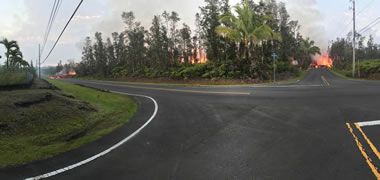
<point x="359" y="68"/>
<point x="274" y="62"/>
<point x="39" y="61"/>
<point x="354" y="38"/>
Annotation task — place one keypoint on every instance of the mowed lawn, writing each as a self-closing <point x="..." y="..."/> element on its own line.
<point x="65" y="119"/>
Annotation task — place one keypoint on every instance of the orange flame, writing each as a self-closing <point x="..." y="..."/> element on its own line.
<point x="69" y="75"/>
<point x="324" y="61"/>
<point x="201" y="57"/>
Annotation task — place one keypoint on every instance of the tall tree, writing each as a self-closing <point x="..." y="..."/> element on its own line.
<point x="370" y="48"/>
<point x="210" y="21"/>
<point x="244" y="30"/>
<point x="9" y="46"/>
<point x="87" y="66"/>
<point x="15" y="58"/>
<point x="111" y="57"/>
<point x="136" y="47"/>
<point x="174" y="36"/>
<point x="186" y="45"/>
<point x="100" y="55"/>
<point x="158" y="43"/>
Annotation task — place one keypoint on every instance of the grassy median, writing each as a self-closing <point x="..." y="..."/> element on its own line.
<point x="38" y="123"/>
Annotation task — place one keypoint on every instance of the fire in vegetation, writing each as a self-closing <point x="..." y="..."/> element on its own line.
<point x="198" y="56"/>
<point x="64" y="74"/>
<point x="323" y="61"/>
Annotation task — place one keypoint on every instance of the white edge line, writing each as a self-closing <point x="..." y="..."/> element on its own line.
<point x="287" y="86"/>
<point x="369" y="123"/>
<point x="53" y="173"/>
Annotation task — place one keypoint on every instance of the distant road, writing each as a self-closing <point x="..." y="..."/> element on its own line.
<point x="303" y="130"/>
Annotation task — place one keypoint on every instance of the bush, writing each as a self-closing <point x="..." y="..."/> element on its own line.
<point x="13" y="78"/>
<point x="370" y="67"/>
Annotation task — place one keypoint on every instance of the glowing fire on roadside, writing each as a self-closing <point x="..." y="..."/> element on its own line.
<point x="62" y="76"/>
<point x="72" y="73"/>
<point x="323" y="61"/>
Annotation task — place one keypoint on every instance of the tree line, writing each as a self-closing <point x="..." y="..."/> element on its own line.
<point x="341" y="50"/>
<point x="238" y="42"/>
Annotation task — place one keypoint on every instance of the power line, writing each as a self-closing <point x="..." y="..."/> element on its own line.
<point x="365" y="7"/>
<point x="351" y="21"/>
<point x="53" y="15"/>
<point x="49" y="22"/>
<point x="370" y="25"/>
<point x="50" y="18"/>
<point x="59" y="37"/>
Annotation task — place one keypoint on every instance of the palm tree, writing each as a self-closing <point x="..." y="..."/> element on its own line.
<point x="308" y="49"/>
<point x="9" y="45"/>
<point x="16" y="57"/>
<point x="246" y="28"/>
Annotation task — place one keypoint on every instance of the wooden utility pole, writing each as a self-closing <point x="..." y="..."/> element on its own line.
<point x="354" y="39"/>
<point x="39" y="61"/>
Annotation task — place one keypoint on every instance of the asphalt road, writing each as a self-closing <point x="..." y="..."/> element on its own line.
<point x="289" y="131"/>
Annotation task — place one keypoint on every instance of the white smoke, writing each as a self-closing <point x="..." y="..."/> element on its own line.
<point x="144" y="10"/>
<point x="310" y="19"/>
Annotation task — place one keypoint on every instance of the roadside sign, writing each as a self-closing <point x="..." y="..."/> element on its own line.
<point x="274" y="55"/>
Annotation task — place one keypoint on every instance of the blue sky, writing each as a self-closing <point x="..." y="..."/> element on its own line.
<point x="26" y="20"/>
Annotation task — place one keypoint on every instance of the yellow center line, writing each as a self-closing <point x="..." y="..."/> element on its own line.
<point x="374" y="149"/>
<point x="368" y="160"/>
<point x="325" y="80"/>
<point x="179" y="90"/>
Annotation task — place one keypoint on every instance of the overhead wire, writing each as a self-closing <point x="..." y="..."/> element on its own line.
<point x="55" y="11"/>
<point x="369" y="25"/>
<point x="50" y="18"/>
<point x="59" y="37"/>
<point x="359" y="12"/>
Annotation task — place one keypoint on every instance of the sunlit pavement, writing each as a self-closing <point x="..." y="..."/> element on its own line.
<point x="312" y="129"/>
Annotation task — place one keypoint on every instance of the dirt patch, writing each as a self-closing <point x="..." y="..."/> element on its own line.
<point x="37" y="105"/>
<point x="35" y="99"/>
<point x="374" y="76"/>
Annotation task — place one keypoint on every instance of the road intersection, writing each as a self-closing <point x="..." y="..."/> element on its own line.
<point x="318" y="128"/>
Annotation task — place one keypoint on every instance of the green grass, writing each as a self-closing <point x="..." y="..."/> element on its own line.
<point x="368" y="68"/>
<point x="300" y="76"/>
<point x="47" y="129"/>
<point x="341" y="73"/>
<point x="9" y="79"/>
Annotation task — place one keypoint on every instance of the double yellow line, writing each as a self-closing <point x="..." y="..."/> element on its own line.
<point x="365" y="155"/>
<point x="325" y="81"/>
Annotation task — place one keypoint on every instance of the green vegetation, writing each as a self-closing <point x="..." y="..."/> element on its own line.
<point x="366" y="55"/>
<point x="369" y="69"/>
<point x="17" y="71"/>
<point x="42" y="121"/>
<point x="11" y="79"/>
<point x="343" y="73"/>
<point x="198" y="83"/>
<point x="14" y="57"/>
<point x="237" y="44"/>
